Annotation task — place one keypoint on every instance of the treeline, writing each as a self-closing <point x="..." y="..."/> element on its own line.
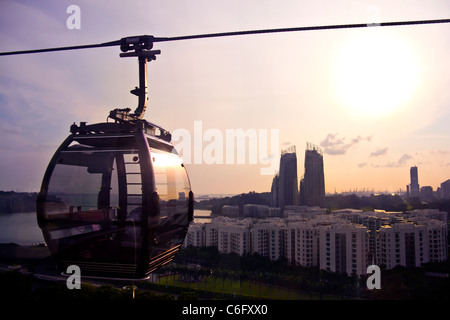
<point x="383" y="202"/>
<point x="259" y="269"/>
<point x="16" y="287"/>
<point x="215" y="205"/>
<point x="386" y="202"/>
<point x="12" y="202"/>
<point x="399" y="283"/>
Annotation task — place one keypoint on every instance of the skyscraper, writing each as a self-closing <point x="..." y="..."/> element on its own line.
<point x="414" y="190"/>
<point x="312" y="186"/>
<point x="287" y="178"/>
<point x="275" y="194"/>
<point x="445" y="189"/>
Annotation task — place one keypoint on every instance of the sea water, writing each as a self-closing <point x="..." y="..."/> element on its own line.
<point x="22" y="228"/>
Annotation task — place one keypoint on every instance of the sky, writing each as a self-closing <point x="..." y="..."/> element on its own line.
<point x="375" y="100"/>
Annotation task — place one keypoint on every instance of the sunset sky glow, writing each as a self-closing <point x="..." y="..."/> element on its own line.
<point x="375" y="100"/>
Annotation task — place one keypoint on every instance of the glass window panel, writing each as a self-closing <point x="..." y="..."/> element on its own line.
<point x="173" y="189"/>
<point x="134" y="189"/>
<point x="72" y="188"/>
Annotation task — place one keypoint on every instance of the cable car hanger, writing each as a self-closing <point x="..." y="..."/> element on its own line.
<point x="148" y="40"/>
<point x="143" y="44"/>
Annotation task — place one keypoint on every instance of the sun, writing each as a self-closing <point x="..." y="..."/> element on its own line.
<point x="376" y="73"/>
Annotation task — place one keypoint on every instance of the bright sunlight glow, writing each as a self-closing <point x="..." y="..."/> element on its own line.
<point x="376" y="74"/>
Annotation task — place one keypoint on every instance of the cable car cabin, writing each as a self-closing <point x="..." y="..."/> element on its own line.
<point x="115" y="200"/>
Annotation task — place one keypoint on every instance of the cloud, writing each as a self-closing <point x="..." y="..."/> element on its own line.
<point x="379" y="152"/>
<point x="333" y="145"/>
<point x="362" y="165"/>
<point x="402" y="161"/>
<point x="331" y="140"/>
<point x="404" y="158"/>
<point x="440" y="152"/>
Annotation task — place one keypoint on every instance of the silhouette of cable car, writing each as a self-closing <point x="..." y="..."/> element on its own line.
<point x="116" y="199"/>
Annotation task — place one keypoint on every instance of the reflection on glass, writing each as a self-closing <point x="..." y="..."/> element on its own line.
<point x="173" y="189"/>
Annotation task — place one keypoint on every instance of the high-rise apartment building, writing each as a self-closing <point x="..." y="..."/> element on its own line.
<point x="312" y="186"/>
<point x="228" y="235"/>
<point x="302" y="243"/>
<point x="234" y="238"/>
<point x="269" y="238"/>
<point x="445" y="190"/>
<point x="413" y="188"/>
<point x="344" y="248"/>
<point x="345" y="241"/>
<point x="275" y="192"/>
<point x="426" y="193"/>
<point x="411" y="244"/>
<point x="196" y="235"/>
<point x="287" y="178"/>
<point x="211" y="234"/>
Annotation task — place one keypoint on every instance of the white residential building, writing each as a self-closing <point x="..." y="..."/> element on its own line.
<point x="260" y="211"/>
<point x="303" y="211"/>
<point x="429" y="213"/>
<point x="261" y="243"/>
<point x="303" y="243"/>
<point x="269" y="238"/>
<point x="277" y="241"/>
<point x="403" y="244"/>
<point x="211" y="234"/>
<point x="196" y="235"/>
<point x="344" y="248"/>
<point x="234" y="239"/>
<point x="347" y="241"/>
<point x="437" y="240"/>
<point x="228" y="235"/>
<point x="230" y="211"/>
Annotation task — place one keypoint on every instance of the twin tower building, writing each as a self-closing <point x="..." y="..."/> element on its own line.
<point x="286" y="191"/>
